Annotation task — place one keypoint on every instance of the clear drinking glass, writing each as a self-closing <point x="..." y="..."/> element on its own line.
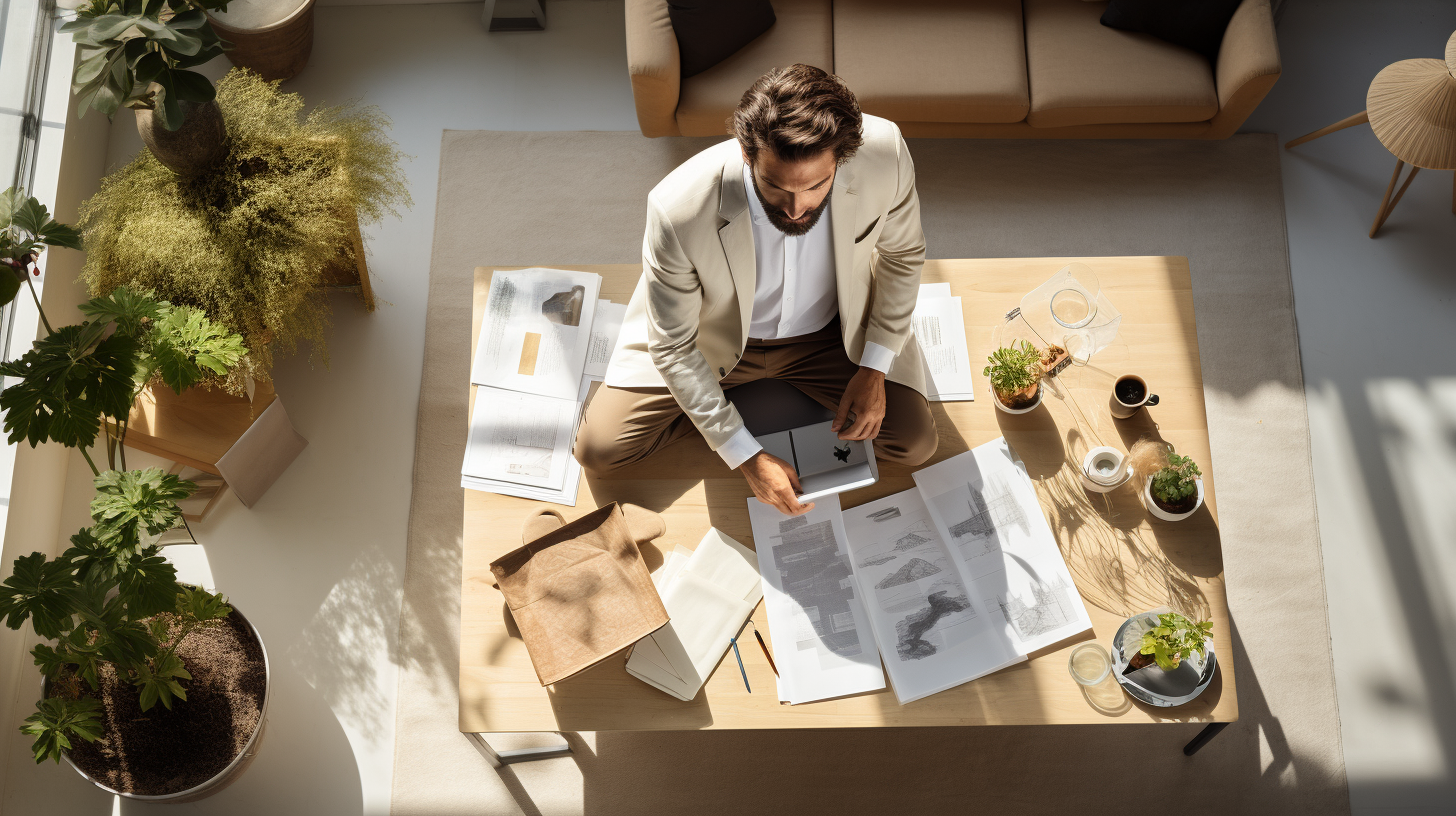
<point x="1089" y="664"/>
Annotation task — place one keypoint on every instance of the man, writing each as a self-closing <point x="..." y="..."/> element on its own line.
<point x="791" y="252"/>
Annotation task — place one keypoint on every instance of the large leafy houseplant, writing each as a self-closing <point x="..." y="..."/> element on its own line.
<point x="111" y="602"/>
<point x="250" y="242"/>
<point x="140" y="54"/>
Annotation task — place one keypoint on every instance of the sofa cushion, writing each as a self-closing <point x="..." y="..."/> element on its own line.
<point x="1084" y="73"/>
<point x="710" y="31"/>
<point x="1195" y="24"/>
<point x="804" y="33"/>
<point x="933" y="60"/>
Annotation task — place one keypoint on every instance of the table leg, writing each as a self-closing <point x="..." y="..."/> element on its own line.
<point x="1358" y="119"/>
<point x="535" y="22"/>
<point x="1387" y="204"/>
<point x="499" y="758"/>
<point x="1204" y="737"/>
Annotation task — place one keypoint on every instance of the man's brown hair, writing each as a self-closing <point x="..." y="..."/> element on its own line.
<point x="798" y="112"/>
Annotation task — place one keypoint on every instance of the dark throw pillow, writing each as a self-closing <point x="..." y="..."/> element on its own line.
<point x="710" y="31"/>
<point x="1195" y="24"/>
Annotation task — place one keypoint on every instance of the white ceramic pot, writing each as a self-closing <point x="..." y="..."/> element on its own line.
<point x="1040" y="389"/>
<point x="1164" y="514"/>
<point x="228" y="774"/>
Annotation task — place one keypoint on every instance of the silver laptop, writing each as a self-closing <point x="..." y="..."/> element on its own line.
<point x="790" y="425"/>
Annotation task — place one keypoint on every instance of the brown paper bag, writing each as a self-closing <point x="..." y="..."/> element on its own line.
<point x="579" y="594"/>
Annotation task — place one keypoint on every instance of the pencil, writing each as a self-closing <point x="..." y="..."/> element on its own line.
<point x="741" y="670"/>
<point x="766" y="652"/>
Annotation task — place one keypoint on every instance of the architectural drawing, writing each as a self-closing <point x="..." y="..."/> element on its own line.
<point x="913" y="537"/>
<point x="885" y="514"/>
<point x="988" y="511"/>
<point x="818" y="578"/>
<point x="914" y="570"/>
<point x="1049" y="607"/>
<point x="910" y="640"/>
<point x="877" y="560"/>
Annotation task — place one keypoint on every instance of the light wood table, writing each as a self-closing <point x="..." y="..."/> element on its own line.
<point x="1123" y="561"/>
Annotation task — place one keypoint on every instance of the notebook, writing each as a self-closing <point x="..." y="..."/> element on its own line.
<point x="709" y="594"/>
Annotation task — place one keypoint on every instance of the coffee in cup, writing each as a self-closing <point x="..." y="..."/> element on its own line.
<point x="1130" y="393"/>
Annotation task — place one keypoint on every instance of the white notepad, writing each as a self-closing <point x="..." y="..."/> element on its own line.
<point x="708" y="596"/>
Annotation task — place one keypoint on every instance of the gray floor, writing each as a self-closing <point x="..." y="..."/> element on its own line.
<point x="1376" y="321"/>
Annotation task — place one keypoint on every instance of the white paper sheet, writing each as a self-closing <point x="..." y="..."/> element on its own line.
<point x="822" y="641"/>
<point x="497" y="461"/>
<point x="605" y="328"/>
<point x="932" y="635"/>
<point x="985" y="507"/>
<point x="934" y="290"/>
<point x="536" y="331"/>
<point x="708" y="596"/>
<point x="940" y="330"/>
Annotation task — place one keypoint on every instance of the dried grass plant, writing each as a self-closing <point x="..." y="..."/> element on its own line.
<point x="1148" y="457"/>
<point x="250" y="242"/>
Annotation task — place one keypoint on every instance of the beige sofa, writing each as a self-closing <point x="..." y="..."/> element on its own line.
<point x="972" y="68"/>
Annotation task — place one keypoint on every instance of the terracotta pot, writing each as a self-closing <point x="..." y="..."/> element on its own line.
<point x="191" y="149"/>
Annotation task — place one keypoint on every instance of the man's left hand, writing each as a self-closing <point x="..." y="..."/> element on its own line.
<point x="864" y="397"/>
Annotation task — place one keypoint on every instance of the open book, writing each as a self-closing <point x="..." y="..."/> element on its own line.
<point x="956" y="578"/>
<point x="825" y="463"/>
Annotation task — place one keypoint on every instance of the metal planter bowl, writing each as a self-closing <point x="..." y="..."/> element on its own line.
<point x="1160" y="688"/>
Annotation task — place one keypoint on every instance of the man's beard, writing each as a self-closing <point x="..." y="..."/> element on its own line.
<point x="781" y="220"/>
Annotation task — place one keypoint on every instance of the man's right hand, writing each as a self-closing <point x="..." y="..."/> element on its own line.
<point x="774" y="482"/>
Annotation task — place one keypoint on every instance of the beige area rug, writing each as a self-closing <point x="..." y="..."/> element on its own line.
<point x="542" y="198"/>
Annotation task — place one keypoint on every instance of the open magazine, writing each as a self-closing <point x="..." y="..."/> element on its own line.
<point x="956" y="578"/>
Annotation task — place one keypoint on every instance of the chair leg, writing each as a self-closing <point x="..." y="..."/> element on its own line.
<point x="1387" y="204"/>
<point x="1358" y="119"/>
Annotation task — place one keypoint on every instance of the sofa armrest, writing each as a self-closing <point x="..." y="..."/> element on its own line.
<point x="1248" y="65"/>
<point x="654" y="65"/>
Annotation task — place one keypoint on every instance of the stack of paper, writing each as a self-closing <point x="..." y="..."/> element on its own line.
<point x="940" y="329"/>
<point x="543" y="339"/>
<point x="709" y="594"/>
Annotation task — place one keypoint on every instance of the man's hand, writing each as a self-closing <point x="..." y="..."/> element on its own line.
<point x="774" y="482"/>
<point x="865" y="398"/>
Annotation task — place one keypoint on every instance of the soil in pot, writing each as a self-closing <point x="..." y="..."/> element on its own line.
<point x="160" y="751"/>
<point x="1025" y="398"/>
<point x="1139" y="661"/>
<point x="1184" y="506"/>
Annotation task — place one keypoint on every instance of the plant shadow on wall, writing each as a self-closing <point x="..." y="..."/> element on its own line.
<point x="254" y="238"/>
<point x="124" y="634"/>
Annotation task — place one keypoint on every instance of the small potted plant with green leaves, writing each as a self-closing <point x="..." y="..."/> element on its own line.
<point x="1014" y="372"/>
<point x="1172" y="483"/>
<point x="1163" y="657"/>
<point x="123" y="635"/>
<point x="140" y="54"/>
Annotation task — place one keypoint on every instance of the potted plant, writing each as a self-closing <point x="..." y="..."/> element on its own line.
<point x="1172" y="483"/>
<point x="1164" y="658"/>
<point x="123" y="634"/>
<point x="1167" y="643"/>
<point x="139" y="54"/>
<point x="1014" y="373"/>
<point x="252" y="242"/>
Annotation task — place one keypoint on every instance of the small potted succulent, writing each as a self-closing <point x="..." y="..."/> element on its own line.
<point x="1014" y="373"/>
<point x="1164" y="658"/>
<point x="1172" y="483"/>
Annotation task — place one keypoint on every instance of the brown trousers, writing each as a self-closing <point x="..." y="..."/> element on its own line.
<point x="623" y="426"/>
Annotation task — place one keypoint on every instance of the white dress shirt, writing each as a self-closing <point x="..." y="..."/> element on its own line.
<point x="794" y="294"/>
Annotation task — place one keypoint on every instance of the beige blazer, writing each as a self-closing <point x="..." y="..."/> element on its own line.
<point x="687" y="324"/>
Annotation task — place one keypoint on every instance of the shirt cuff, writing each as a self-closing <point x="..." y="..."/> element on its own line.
<point x="739" y="448"/>
<point x="877" y="357"/>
